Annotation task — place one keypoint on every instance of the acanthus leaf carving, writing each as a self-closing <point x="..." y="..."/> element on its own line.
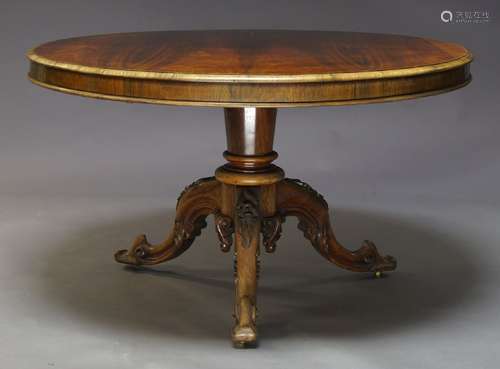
<point x="271" y="231"/>
<point x="247" y="212"/>
<point x="225" y="228"/>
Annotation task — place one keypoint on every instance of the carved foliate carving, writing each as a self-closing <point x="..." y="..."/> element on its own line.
<point x="271" y="231"/>
<point x="247" y="212"/>
<point x="225" y="228"/>
<point x="307" y="188"/>
<point x="316" y="233"/>
<point x="193" y="185"/>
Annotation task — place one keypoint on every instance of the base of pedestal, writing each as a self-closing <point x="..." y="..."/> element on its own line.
<point x="246" y="217"/>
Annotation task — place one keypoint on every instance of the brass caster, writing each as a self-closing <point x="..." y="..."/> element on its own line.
<point x="378" y="274"/>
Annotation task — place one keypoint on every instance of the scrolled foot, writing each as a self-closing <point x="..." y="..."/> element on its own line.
<point x="365" y="259"/>
<point x="136" y="253"/>
<point x="372" y="260"/>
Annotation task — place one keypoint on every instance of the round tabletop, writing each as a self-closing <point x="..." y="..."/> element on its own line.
<point x="263" y="68"/>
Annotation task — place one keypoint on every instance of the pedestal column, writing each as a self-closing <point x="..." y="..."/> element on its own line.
<point x="249" y="198"/>
<point x="250" y="136"/>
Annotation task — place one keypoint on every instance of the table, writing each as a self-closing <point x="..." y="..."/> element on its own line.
<point x="251" y="73"/>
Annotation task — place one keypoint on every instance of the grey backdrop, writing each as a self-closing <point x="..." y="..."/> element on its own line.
<point x="54" y="143"/>
<point x="64" y="157"/>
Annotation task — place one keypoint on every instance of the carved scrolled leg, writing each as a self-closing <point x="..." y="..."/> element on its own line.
<point x="296" y="198"/>
<point x="247" y="237"/>
<point x="195" y="203"/>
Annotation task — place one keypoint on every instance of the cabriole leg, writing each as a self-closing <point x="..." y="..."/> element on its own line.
<point x="296" y="198"/>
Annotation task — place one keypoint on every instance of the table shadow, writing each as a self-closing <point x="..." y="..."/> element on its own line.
<point x="300" y="294"/>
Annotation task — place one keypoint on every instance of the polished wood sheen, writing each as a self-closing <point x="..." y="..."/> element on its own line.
<point x="235" y="68"/>
<point x="250" y="131"/>
<point x="250" y="74"/>
<point x="250" y="137"/>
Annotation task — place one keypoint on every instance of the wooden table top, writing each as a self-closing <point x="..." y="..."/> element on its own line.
<point x="250" y="67"/>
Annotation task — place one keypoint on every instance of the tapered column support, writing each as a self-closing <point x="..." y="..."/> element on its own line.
<point x="250" y="137"/>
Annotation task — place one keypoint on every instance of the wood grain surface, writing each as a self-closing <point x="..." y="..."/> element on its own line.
<point x="250" y="67"/>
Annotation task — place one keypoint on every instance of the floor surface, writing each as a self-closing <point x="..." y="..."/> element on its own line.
<point x="66" y="304"/>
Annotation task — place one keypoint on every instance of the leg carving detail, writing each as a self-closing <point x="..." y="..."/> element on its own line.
<point x="247" y="232"/>
<point x="247" y="212"/>
<point x="225" y="228"/>
<point x="271" y="231"/>
<point x="195" y="203"/>
<point x="296" y="198"/>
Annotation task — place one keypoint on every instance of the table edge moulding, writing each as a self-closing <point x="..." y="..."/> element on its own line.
<point x="50" y="70"/>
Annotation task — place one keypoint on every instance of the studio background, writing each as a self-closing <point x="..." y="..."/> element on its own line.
<point x="81" y="177"/>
